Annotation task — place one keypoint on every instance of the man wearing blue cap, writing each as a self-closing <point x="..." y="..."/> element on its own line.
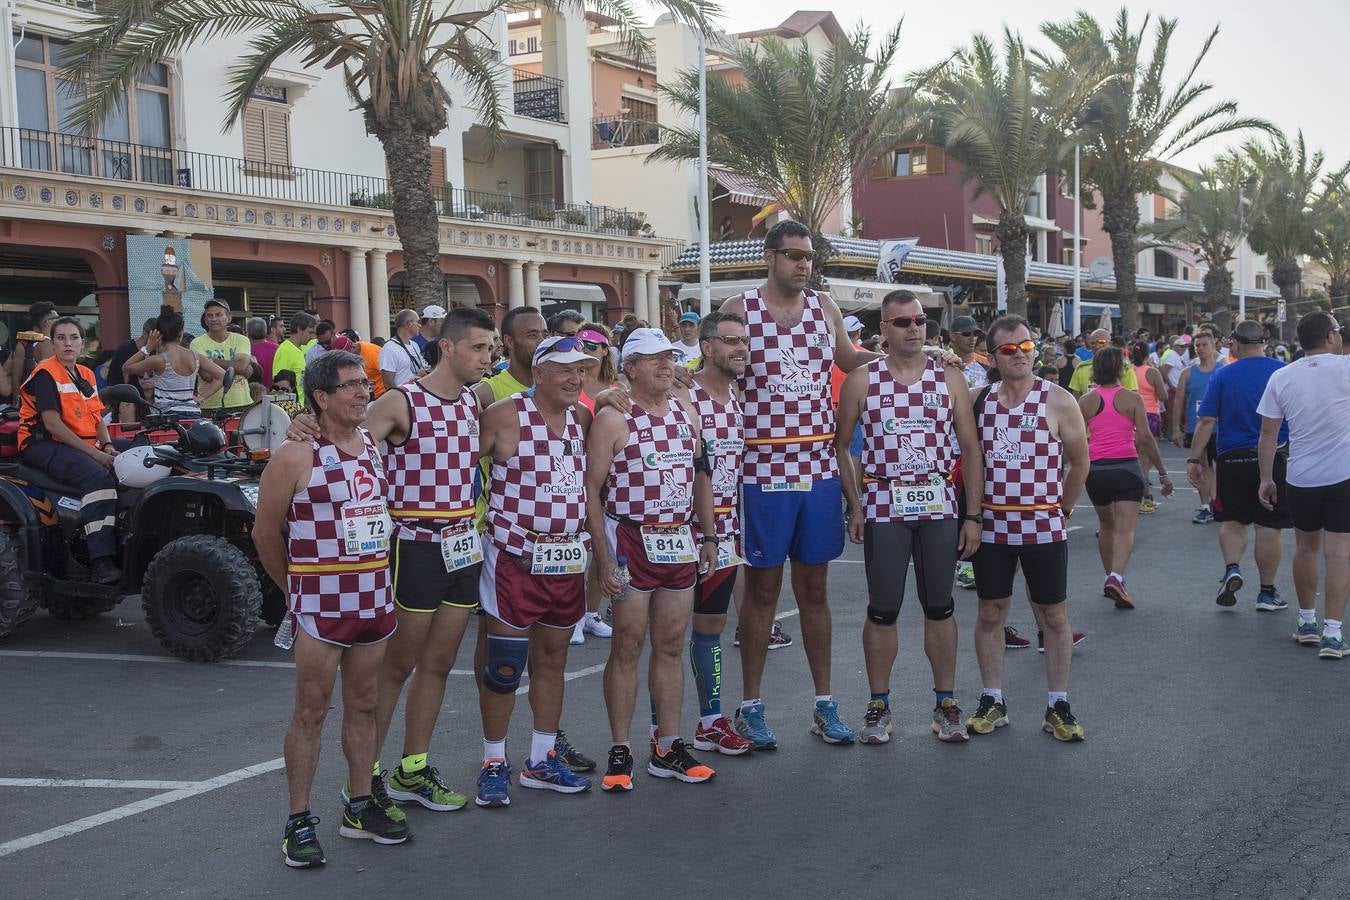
<point x="688" y="347"/>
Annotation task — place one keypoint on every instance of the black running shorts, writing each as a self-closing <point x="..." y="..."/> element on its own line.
<point x="888" y="548"/>
<point x="713" y="597"/>
<point x="1237" y="479"/>
<point x="1115" y="480"/>
<point x="1325" y="508"/>
<point x="421" y="583"/>
<point x="1044" y="566"/>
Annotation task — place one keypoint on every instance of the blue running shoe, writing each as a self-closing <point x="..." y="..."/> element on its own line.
<point x="553" y="775"/>
<point x="828" y="725"/>
<point x="494" y="784"/>
<point x="1229" y="586"/>
<point x="1332" y="648"/>
<point x="1270" y="601"/>
<point x="750" y="725"/>
<point x="1307" y="633"/>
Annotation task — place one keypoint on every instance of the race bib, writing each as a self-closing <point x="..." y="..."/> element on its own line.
<point x="727" y="555"/>
<point x="919" y="499"/>
<point x="781" y="485"/>
<point x="366" y="527"/>
<point x="558" y="554"/>
<point x="668" y="544"/>
<point x="460" y="546"/>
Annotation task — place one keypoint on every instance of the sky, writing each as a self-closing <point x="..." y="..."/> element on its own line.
<point x="1283" y="62"/>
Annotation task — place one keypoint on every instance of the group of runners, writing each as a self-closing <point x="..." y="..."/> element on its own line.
<point x="660" y="489"/>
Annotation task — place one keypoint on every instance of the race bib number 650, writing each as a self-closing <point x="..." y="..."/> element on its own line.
<point x="919" y="500"/>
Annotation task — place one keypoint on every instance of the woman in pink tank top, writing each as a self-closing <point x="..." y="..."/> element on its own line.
<point x="1153" y="389"/>
<point x="1118" y="431"/>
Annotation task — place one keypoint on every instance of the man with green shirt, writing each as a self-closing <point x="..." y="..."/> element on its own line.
<point x="1082" y="376"/>
<point x="290" y="354"/>
<point x="523" y="328"/>
<point x="225" y="348"/>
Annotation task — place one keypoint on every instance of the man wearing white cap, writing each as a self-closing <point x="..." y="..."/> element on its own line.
<point x="649" y="467"/>
<point x="432" y="319"/>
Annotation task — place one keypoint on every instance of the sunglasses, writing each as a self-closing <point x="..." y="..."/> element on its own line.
<point x="908" y="321"/>
<point x="732" y="340"/>
<point x="966" y="333"/>
<point x="1100" y="342"/>
<point x="797" y="255"/>
<point x="1014" y="349"/>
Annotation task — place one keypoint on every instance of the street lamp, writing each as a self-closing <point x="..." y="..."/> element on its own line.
<point x="704" y="259"/>
<point x="1248" y="183"/>
<point x="1089" y="117"/>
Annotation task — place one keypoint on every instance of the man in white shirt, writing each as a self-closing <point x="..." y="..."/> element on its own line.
<point x="401" y="359"/>
<point x="689" y="351"/>
<point x="1312" y="394"/>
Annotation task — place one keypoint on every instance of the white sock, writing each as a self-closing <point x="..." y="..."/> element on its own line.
<point x="652" y="731"/>
<point x="494" y="750"/>
<point x="540" y="745"/>
<point x="746" y="704"/>
<point x="1056" y="696"/>
<point x="996" y="693"/>
<point x="1331" y="628"/>
<point x="1118" y="577"/>
<point x="666" y="741"/>
<point x="1308" y="616"/>
<point x="707" y="721"/>
<point x="824" y="698"/>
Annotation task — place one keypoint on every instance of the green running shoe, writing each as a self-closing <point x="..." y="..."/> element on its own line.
<point x="372" y="823"/>
<point x="379" y="795"/>
<point x="300" y="848"/>
<point x="425" y="787"/>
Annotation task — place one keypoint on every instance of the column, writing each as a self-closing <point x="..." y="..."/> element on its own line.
<point x="379" y="293"/>
<point x="532" y="297"/>
<point x="640" y="307"/>
<point x="515" y="285"/>
<point x="358" y="292"/>
<point x="654" y="294"/>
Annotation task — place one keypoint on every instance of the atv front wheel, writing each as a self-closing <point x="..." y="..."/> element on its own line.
<point x="17" y="600"/>
<point x="201" y="598"/>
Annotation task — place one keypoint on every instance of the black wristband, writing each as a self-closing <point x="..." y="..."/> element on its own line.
<point x="979" y="519"/>
<point x="707" y="539"/>
<point x="1195" y="460"/>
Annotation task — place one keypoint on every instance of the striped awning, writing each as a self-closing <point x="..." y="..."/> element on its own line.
<point x="741" y="189"/>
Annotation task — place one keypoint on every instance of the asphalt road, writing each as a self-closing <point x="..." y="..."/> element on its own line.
<point x="1214" y="767"/>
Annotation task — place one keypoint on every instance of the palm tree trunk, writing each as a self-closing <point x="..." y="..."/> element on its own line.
<point x="1218" y="297"/>
<point x="409" y="154"/>
<point x="1286" y="274"/>
<point x="1012" y="244"/>
<point x="1120" y="218"/>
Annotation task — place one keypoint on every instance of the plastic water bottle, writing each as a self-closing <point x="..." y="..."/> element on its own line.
<point x="285" y="638"/>
<point x="621" y="576"/>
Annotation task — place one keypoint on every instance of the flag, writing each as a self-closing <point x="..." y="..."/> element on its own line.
<point x="891" y="258"/>
<point x="767" y="210"/>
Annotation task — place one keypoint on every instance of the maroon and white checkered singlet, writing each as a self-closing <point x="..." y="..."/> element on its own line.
<point x="1023" y="470"/>
<point x="789" y="417"/>
<point x="722" y="429"/>
<point x="540" y="490"/>
<point x="322" y="578"/>
<point x="909" y="436"/>
<point x="431" y="473"/>
<point x="651" y="480"/>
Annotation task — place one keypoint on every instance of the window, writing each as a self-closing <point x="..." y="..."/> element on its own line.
<point x="539" y="174"/>
<point x="913" y="161"/>
<point x="641" y="110"/>
<point x="1164" y="264"/>
<point x="903" y="162"/>
<point x="532" y="45"/>
<point x="511" y="47"/>
<point x="267" y="134"/>
<point x="984" y="244"/>
<point x="1261" y="281"/>
<point x="46" y="103"/>
<point x="1067" y="254"/>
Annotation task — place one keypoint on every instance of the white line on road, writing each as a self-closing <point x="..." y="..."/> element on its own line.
<point x="151" y="658"/>
<point x="124" y="784"/>
<point x="140" y="806"/>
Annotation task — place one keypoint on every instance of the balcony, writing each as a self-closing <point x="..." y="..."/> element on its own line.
<point x="612" y="132"/>
<point x="537" y="96"/>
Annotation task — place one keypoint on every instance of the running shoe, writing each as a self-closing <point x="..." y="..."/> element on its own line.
<point x="595" y="626"/>
<point x="372" y="823"/>
<point x="825" y="722"/>
<point x="553" y="775"/>
<point x="778" y="639"/>
<point x="1060" y="722"/>
<point x="425" y="787"/>
<point x="965" y="576"/>
<point x="1012" y="640"/>
<point x="300" y="847"/>
<point x="990" y="714"/>
<point x="573" y="758"/>
<point x="380" y="795"/>
<point x="1114" y="589"/>
<point x="750" y="725"/>
<point x="1078" y="638"/>
<point x="578" y="633"/>
<point x="1229" y="586"/>
<point x="494" y="784"/>
<point x="1148" y="506"/>
<point x="947" y="722"/>
<point x="619" y="775"/>
<point x="1270" y="601"/>
<point x="677" y="763"/>
<point x="876" y="727"/>
<point x="1332" y="648"/>
<point x="1307" y="633"/>
<point x="722" y="737"/>
<point x="1203" y="516"/>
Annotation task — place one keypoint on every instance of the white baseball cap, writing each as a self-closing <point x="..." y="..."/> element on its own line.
<point x="433" y="312"/>
<point x="646" y="342"/>
<point x="852" y="324"/>
<point x="545" y="352"/>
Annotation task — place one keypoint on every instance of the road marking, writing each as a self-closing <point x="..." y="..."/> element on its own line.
<point x="140" y="806"/>
<point x="1075" y="528"/>
<point x="152" y="658"/>
<point x="787" y="615"/>
<point x="124" y="784"/>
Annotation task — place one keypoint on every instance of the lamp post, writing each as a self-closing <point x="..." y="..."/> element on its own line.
<point x="1077" y="245"/>
<point x="704" y="260"/>
<point x="1248" y="183"/>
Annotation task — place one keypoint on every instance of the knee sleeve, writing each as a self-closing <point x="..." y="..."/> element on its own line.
<point x="938" y="613"/>
<point x="506" y="658"/>
<point x="882" y="616"/>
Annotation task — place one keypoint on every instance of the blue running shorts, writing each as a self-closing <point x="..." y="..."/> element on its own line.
<point x="804" y="526"/>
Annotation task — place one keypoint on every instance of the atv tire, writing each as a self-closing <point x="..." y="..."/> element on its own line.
<point x="201" y="598"/>
<point x="17" y="600"/>
<point x="77" y="609"/>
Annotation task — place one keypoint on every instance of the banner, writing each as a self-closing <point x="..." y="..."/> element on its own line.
<point x="160" y="270"/>
<point x="891" y="258"/>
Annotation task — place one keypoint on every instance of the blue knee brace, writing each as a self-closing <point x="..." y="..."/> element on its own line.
<point x="506" y="658"/>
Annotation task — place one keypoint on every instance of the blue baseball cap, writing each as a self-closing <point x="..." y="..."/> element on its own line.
<point x="689" y="317"/>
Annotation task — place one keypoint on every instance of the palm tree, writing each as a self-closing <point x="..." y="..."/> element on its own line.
<point x="1331" y="237"/>
<point x="1007" y="128"/>
<point x="1208" y="222"/>
<point x="395" y="57"/>
<point x="1139" y="124"/>
<point x="803" y="126"/>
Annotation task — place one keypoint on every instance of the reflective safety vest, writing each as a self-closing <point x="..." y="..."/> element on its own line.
<point x="80" y="413"/>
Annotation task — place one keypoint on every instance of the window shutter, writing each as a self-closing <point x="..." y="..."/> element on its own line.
<point x="278" y="120"/>
<point x="438" y="163"/>
<point x="255" y="143"/>
<point x="937" y="160"/>
<point x="882" y="168"/>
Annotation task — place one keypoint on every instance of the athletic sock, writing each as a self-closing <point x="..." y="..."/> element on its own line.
<point x="665" y="742"/>
<point x="996" y="693"/>
<point x="1307" y="616"/>
<point x="746" y="704"/>
<point x="943" y="695"/>
<point x="824" y="698"/>
<point x="1331" y="628"/>
<point x="707" y="721"/>
<point x="705" y="658"/>
<point x="356" y="804"/>
<point x="627" y="745"/>
<point x="494" y="750"/>
<point x="541" y="744"/>
<point x="1268" y="588"/>
<point x="884" y="697"/>
<point x="1056" y="696"/>
<point x="413" y="762"/>
<point x="375" y="770"/>
<point x="302" y="814"/>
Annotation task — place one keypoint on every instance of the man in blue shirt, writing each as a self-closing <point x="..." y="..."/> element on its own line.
<point x="1229" y="410"/>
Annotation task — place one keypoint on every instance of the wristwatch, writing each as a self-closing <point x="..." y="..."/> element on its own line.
<point x="707" y="539"/>
<point x="1193" y="461"/>
<point x="973" y="518"/>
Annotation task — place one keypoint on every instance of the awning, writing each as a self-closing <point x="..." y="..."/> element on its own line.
<point x="741" y="189"/>
<point x="851" y="296"/>
<point x="568" y="290"/>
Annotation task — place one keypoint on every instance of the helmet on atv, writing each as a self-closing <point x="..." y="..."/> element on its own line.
<point x="136" y="467"/>
<point x="205" y="437"/>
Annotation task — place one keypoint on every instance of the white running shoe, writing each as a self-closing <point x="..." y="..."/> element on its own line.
<point x="579" y="633"/>
<point x="595" y="626"/>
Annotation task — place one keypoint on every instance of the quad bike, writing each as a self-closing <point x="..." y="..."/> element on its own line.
<point x="185" y="509"/>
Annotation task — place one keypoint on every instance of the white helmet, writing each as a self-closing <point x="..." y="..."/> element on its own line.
<point x="136" y="467"/>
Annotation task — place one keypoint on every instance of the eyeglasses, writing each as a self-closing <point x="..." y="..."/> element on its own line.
<point x="796" y="255"/>
<point x="348" y="387"/>
<point x="966" y="334"/>
<point x="908" y="321"/>
<point x="732" y="340"/>
<point x="1014" y="349"/>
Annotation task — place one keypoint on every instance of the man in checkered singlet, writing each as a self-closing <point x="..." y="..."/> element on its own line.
<point x="1029" y="429"/>
<point x="330" y="495"/>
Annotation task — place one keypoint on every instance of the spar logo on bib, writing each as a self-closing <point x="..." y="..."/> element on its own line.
<point x="363" y="485"/>
<point x="666" y="459"/>
<point x="897" y="426"/>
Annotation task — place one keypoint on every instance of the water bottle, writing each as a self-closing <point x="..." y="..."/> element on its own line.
<point x="621" y="576"/>
<point x="285" y="638"/>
